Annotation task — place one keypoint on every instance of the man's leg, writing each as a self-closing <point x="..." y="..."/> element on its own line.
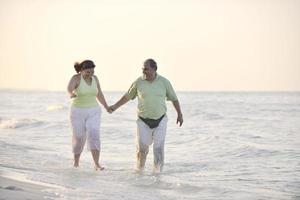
<point x="143" y="140"/>
<point x="158" y="145"/>
<point x="76" y="160"/>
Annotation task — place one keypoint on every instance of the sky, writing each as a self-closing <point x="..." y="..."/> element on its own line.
<point x="199" y="45"/>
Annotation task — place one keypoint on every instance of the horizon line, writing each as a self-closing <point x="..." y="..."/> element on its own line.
<point x="180" y="91"/>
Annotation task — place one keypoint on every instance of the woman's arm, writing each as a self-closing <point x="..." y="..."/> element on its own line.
<point x="100" y="96"/>
<point x="73" y="84"/>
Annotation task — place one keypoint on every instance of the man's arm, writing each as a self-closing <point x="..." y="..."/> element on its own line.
<point x="131" y="94"/>
<point x="178" y="110"/>
<point x="121" y="102"/>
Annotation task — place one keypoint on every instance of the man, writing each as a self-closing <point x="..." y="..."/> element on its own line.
<point x="152" y="91"/>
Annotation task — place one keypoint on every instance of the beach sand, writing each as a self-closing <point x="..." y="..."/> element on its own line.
<point x="11" y="189"/>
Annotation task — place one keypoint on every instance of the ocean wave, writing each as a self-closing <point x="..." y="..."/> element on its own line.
<point x="212" y="116"/>
<point x="251" y="151"/>
<point x="18" y="123"/>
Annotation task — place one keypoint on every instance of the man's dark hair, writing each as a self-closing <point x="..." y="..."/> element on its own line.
<point x="151" y="63"/>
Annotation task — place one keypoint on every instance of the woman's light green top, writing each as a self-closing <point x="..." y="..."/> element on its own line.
<point x="86" y="94"/>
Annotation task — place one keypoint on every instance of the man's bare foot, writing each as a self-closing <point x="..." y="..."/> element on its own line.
<point x="157" y="169"/>
<point x="98" y="167"/>
<point x="76" y="164"/>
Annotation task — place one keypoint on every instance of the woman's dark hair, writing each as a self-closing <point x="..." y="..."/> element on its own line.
<point x="151" y="63"/>
<point x="87" y="64"/>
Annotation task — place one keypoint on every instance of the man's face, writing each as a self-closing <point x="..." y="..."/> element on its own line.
<point x="148" y="71"/>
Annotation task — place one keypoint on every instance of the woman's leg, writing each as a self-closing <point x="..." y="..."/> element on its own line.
<point x="77" y="119"/>
<point x="96" y="156"/>
<point x="93" y="134"/>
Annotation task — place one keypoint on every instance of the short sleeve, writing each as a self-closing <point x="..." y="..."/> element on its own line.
<point x="171" y="95"/>
<point x="132" y="92"/>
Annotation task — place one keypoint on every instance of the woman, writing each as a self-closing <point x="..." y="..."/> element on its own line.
<point x="84" y="89"/>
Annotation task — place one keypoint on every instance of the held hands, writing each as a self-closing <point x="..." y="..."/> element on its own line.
<point x="108" y="109"/>
<point x="111" y="109"/>
<point x="179" y="119"/>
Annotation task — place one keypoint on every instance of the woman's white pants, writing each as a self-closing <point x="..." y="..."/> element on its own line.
<point x="85" y="124"/>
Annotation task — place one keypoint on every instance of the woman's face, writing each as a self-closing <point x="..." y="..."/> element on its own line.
<point x="87" y="72"/>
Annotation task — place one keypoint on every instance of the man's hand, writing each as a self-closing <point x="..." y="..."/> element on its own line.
<point x="179" y="119"/>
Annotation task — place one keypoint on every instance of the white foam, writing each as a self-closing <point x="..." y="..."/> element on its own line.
<point x="55" y="107"/>
<point x="17" y="123"/>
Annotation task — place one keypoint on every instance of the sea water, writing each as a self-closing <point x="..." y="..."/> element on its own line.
<point x="232" y="145"/>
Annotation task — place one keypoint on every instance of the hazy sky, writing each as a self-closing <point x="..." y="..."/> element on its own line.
<point x="198" y="45"/>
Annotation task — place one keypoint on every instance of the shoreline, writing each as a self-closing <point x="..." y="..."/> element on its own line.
<point x="13" y="189"/>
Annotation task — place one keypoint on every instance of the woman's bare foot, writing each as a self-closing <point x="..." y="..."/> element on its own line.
<point x="98" y="167"/>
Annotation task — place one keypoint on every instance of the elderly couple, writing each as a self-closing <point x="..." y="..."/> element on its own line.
<point x="152" y="91"/>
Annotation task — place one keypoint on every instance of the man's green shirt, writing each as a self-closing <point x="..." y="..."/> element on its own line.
<point x="152" y="96"/>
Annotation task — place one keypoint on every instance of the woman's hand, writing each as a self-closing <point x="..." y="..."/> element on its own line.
<point x="72" y="96"/>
